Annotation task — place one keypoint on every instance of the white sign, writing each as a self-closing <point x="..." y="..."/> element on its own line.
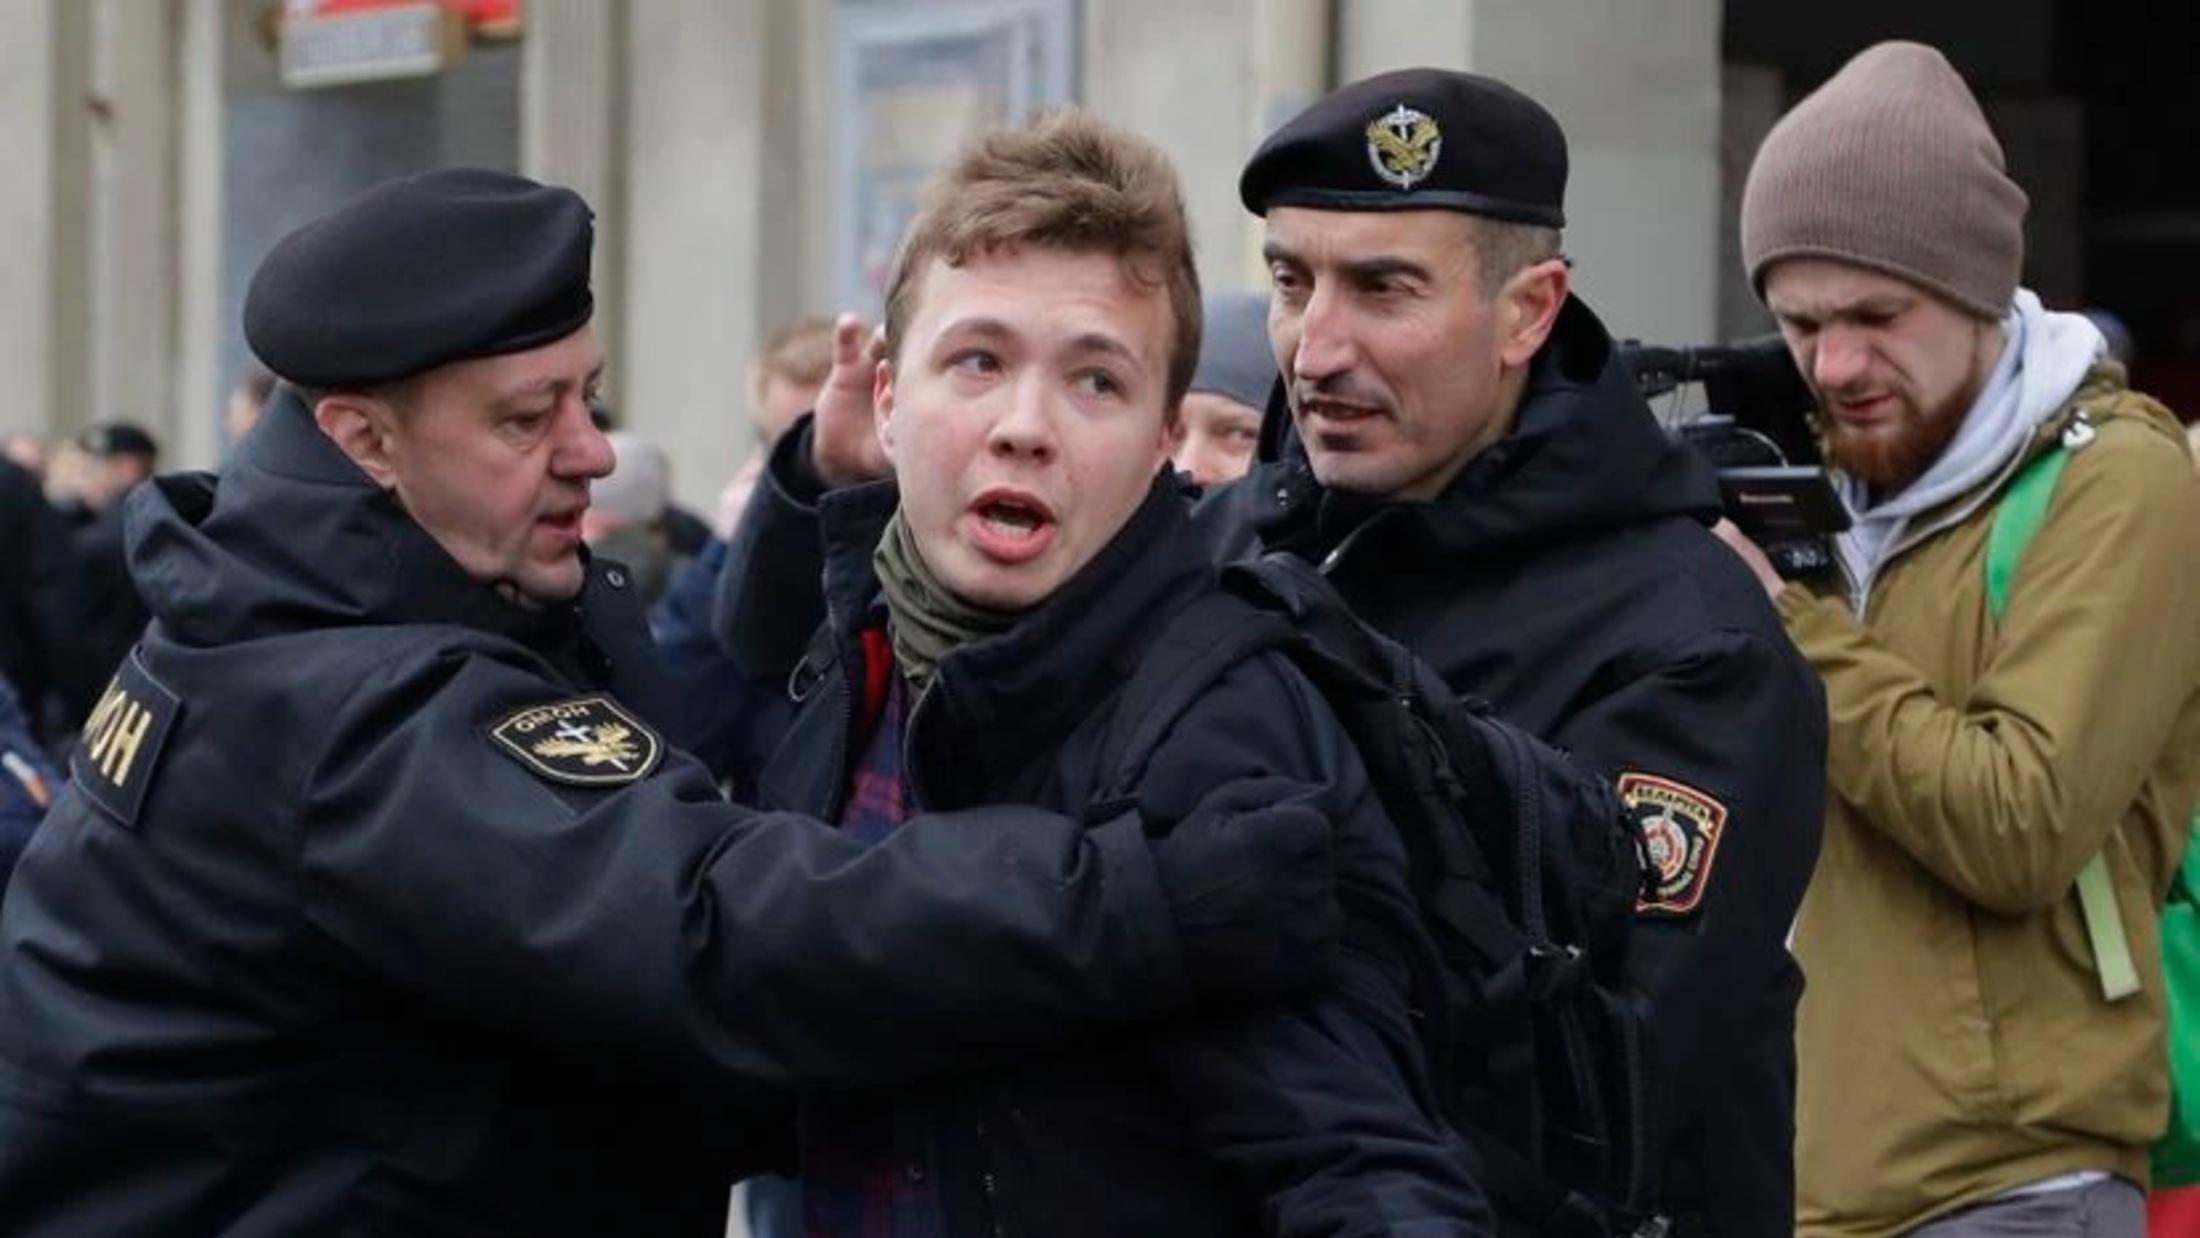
<point x="413" y="40"/>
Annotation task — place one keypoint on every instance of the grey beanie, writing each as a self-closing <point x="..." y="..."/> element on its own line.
<point x="1890" y="165"/>
<point x="1235" y="358"/>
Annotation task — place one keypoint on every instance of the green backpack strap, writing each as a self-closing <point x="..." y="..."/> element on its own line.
<point x="2019" y="516"/>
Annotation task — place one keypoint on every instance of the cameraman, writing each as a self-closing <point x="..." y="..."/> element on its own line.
<point x="1969" y="1066"/>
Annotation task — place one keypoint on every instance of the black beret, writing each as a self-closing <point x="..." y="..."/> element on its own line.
<point x="417" y="272"/>
<point x="1416" y="139"/>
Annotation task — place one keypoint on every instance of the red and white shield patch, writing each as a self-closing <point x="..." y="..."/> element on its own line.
<point x="1680" y="828"/>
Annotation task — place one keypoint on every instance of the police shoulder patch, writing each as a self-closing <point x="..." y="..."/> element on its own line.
<point x="587" y="741"/>
<point x="1680" y="829"/>
<point x="120" y="748"/>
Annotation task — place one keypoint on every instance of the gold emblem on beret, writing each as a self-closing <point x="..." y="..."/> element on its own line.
<point x="1403" y="144"/>
<point x="588" y="742"/>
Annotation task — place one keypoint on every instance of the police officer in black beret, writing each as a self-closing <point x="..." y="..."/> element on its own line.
<point x="375" y="902"/>
<point x="1455" y="442"/>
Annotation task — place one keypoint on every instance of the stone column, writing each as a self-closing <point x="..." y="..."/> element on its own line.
<point x="134" y="217"/>
<point x="573" y="86"/>
<point x="697" y="165"/>
<point x="1185" y="76"/>
<point x="197" y="383"/>
<point x="45" y="131"/>
<point x="1636" y="87"/>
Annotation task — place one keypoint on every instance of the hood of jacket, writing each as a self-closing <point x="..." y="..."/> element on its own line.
<point x="1584" y="455"/>
<point x="293" y="537"/>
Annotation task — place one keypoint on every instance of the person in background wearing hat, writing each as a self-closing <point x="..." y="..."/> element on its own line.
<point x="1219" y="425"/>
<point x="374" y="901"/>
<point x="116" y="457"/>
<point x="38" y="604"/>
<point x="1981" y="1042"/>
<point x="1478" y="475"/>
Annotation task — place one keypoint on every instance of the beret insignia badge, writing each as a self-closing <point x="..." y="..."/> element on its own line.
<point x="586" y="742"/>
<point x="1402" y="144"/>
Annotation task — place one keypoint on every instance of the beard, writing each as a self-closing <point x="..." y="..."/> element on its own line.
<point x="1888" y="458"/>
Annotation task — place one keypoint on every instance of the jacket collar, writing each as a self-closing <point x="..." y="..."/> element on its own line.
<point x="1000" y="708"/>
<point x="294" y="536"/>
<point x="1584" y="455"/>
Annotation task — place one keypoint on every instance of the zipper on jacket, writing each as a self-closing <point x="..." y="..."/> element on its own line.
<point x="1336" y="553"/>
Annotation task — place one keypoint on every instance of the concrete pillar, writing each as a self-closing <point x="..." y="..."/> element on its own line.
<point x="45" y="133"/>
<point x="1206" y="82"/>
<point x="572" y="116"/>
<point x="134" y="215"/>
<point x="197" y="384"/>
<point x="1636" y="87"/>
<point x="697" y="158"/>
<point x="1180" y="75"/>
<point x="1291" y="41"/>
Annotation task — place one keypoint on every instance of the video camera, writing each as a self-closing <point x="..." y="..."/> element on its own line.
<point x="1757" y="435"/>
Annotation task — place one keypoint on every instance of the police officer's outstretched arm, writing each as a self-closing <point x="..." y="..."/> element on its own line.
<point x="640" y="911"/>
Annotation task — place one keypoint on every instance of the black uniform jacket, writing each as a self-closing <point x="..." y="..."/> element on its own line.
<point x="1567" y="576"/>
<point x="1316" y="1114"/>
<point x="306" y="946"/>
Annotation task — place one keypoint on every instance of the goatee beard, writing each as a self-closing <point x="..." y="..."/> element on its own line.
<point x="1889" y="462"/>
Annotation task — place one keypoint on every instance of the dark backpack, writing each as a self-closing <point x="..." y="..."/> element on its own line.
<point x="1527" y="873"/>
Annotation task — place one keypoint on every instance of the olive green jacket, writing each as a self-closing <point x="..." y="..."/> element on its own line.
<point x="1953" y="1042"/>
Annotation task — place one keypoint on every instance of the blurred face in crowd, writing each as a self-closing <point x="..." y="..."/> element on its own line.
<point x="1399" y="368"/>
<point x="105" y="479"/>
<point x="1026" y="415"/>
<point x="240" y="413"/>
<point x="1895" y="368"/>
<point x="779" y="400"/>
<point x="493" y="457"/>
<point x="26" y="453"/>
<point x="1215" y="438"/>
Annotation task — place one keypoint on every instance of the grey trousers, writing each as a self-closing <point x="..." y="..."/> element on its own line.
<point x="2112" y="1208"/>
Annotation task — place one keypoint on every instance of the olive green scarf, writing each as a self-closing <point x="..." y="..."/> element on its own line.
<point x="928" y="622"/>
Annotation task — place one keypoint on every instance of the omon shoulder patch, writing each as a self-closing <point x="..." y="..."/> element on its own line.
<point x="588" y="741"/>
<point x="120" y="748"/>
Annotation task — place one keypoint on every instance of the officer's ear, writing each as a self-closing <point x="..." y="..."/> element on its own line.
<point x="1528" y="308"/>
<point x="364" y="428"/>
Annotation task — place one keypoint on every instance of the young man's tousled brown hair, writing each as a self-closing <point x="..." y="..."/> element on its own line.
<point x="1068" y="182"/>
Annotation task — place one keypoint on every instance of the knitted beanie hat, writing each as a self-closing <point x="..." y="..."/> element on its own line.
<point x="1890" y="165"/>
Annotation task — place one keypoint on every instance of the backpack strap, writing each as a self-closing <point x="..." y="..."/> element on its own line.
<point x="2018" y="517"/>
<point x="1202" y="642"/>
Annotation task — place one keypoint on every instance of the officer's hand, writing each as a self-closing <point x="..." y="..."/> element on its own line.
<point x="1759" y="565"/>
<point x="844" y="446"/>
<point x="1249" y="880"/>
